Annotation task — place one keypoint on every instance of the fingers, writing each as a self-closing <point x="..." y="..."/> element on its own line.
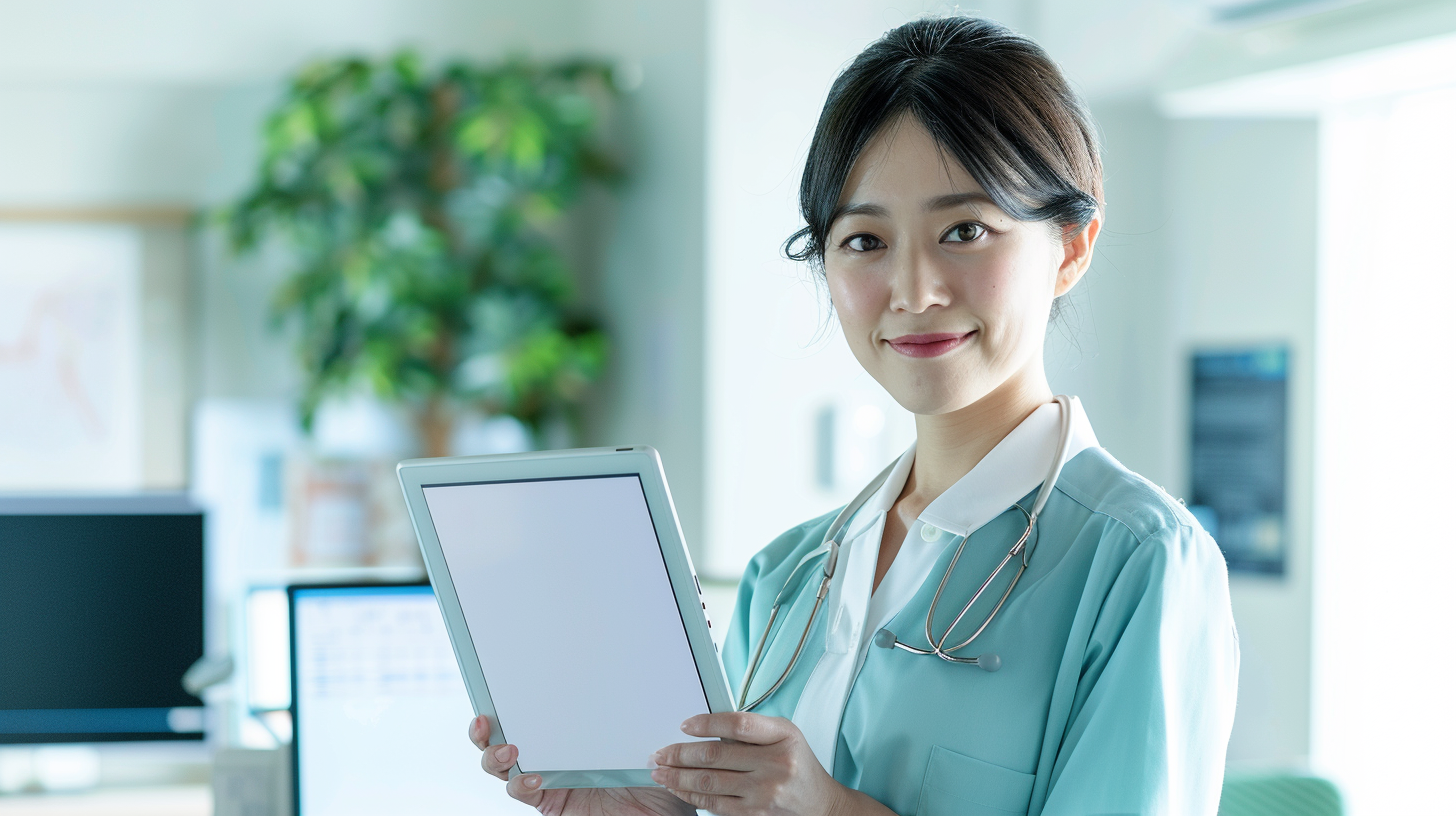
<point x="705" y="801"/>
<point x="740" y="726"/>
<point x="480" y="731"/>
<point x="526" y="788"/>
<point x="701" y="780"/>
<point x="727" y="756"/>
<point x="496" y="760"/>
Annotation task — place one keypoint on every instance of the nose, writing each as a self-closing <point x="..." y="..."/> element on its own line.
<point x="917" y="283"/>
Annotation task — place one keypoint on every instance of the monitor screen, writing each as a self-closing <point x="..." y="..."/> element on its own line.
<point x="101" y="610"/>
<point x="380" y="711"/>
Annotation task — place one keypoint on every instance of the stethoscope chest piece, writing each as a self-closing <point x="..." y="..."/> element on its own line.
<point x="986" y="661"/>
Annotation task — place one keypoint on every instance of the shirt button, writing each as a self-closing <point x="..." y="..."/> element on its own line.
<point x="929" y="532"/>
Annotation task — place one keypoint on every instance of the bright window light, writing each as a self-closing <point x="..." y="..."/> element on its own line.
<point x="1385" y="552"/>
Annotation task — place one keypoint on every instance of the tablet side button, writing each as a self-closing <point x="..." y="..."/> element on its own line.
<point x="695" y="583"/>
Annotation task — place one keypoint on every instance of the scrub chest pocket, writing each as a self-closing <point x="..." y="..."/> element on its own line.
<point x="960" y="785"/>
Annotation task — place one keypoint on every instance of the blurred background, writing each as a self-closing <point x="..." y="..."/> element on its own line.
<point x="251" y="256"/>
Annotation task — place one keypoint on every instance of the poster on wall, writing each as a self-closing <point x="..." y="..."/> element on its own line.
<point x="1240" y="427"/>
<point x="70" y="416"/>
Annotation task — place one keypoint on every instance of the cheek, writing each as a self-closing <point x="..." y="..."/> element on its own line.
<point x="994" y="289"/>
<point x="1011" y="287"/>
<point x="858" y="299"/>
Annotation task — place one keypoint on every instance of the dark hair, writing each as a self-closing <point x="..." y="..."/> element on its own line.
<point x="991" y="98"/>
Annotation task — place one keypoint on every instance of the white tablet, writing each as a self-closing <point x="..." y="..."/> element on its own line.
<point x="571" y="605"/>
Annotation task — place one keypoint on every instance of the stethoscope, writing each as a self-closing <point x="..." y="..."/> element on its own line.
<point x="884" y="638"/>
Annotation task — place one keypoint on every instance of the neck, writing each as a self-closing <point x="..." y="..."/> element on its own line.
<point x="949" y="445"/>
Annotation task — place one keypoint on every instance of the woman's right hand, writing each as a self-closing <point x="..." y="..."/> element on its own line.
<point x="498" y="759"/>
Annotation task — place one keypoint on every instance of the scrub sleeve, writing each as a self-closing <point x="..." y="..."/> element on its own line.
<point x="1157" y="688"/>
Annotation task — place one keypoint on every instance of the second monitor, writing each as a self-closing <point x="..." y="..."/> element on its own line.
<point x="380" y="711"/>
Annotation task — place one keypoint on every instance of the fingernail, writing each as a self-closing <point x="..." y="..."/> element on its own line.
<point x="654" y="760"/>
<point x="684" y="726"/>
<point x="533" y="782"/>
<point x="658" y="775"/>
<point x="502" y="754"/>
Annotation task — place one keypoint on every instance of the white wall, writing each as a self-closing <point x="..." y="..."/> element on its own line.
<point x="1243" y="255"/>
<point x="650" y="287"/>
<point x="184" y="43"/>
<point x="1111" y="346"/>
<point x="158" y="101"/>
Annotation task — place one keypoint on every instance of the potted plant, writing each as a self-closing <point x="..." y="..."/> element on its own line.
<point x="418" y="204"/>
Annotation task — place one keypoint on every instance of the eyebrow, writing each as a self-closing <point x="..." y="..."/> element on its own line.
<point x="873" y="210"/>
<point x="937" y="204"/>
<point x="947" y="202"/>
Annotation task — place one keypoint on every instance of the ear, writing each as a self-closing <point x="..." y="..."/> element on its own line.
<point x="1076" y="255"/>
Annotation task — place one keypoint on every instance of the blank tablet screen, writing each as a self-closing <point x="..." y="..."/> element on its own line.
<point x="569" y="608"/>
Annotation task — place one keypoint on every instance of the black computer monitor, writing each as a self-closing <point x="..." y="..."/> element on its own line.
<point x="100" y="615"/>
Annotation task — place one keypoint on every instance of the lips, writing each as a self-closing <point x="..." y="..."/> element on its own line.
<point x="928" y="345"/>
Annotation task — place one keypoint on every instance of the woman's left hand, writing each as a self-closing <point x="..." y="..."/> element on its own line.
<point x="762" y="767"/>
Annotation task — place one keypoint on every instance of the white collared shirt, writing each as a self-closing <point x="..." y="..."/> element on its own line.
<point x="1017" y="465"/>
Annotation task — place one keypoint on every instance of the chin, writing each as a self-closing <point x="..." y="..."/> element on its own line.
<point x="933" y="387"/>
<point x="930" y="402"/>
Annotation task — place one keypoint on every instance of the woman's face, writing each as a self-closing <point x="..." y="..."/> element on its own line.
<point x="942" y="296"/>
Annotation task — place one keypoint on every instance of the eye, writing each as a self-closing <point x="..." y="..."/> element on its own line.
<point x="863" y="242"/>
<point x="964" y="233"/>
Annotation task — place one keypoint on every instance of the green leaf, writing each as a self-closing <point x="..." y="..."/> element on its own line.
<point x="418" y="204"/>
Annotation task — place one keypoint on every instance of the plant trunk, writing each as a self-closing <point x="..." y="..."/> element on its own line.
<point x="435" y="428"/>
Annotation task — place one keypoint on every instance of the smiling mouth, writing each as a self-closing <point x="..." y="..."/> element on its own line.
<point x="928" y="345"/>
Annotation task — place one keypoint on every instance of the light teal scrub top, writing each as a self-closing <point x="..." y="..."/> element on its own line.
<point x="1119" y="663"/>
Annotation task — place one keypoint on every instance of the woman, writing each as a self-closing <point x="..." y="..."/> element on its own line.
<point x="952" y="194"/>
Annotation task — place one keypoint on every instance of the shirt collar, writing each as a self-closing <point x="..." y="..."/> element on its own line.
<point x="1012" y="469"/>
<point x="883" y="499"/>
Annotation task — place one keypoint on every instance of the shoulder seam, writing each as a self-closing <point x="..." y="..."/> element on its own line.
<point x="1094" y="511"/>
<point x="1158" y="493"/>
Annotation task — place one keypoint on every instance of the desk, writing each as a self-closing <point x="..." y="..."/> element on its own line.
<point x="172" y="800"/>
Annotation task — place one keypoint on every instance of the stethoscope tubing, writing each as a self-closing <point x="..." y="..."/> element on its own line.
<point x="1023" y="547"/>
<point x="831" y="546"/>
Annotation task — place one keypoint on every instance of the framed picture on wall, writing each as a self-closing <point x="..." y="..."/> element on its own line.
<point x="92" y="348"/>
<point x="1240" y="431"/>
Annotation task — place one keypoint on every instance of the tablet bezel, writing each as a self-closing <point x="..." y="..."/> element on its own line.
<point x="640" y="461"/>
